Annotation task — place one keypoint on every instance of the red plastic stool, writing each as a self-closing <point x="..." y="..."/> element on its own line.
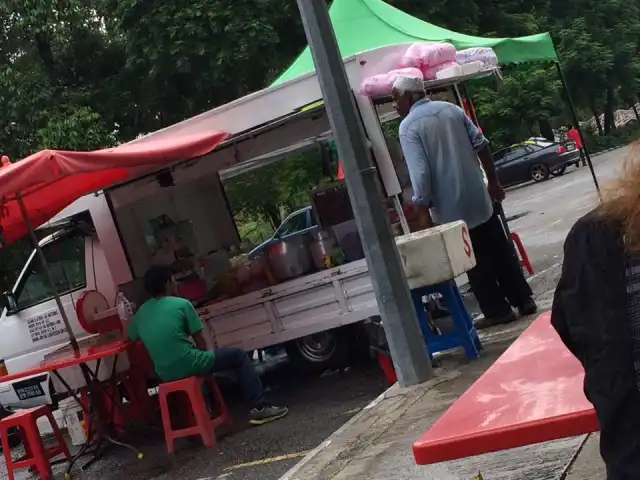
<point x="37" y="455"/>
<point x="200" y="422"/>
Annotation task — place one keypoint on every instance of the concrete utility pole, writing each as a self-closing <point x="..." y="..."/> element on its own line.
<point x="401" y="326"/>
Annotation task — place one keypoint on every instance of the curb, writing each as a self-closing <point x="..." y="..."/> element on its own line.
<point x="602" y="152"/>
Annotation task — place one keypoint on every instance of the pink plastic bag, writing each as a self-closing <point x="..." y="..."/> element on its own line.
<point x="382" y="84"/>
<point x="431" y="73"/>
<point x="423" y="55"/>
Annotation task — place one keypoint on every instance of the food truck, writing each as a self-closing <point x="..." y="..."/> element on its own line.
<point x="179" y="215"/>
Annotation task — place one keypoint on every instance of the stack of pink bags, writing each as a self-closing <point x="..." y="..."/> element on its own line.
<point x="421" y="60"/>
<point x="430" y="58"/>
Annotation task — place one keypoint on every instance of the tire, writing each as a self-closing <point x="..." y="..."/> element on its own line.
<point x="320" y="351"/>
<point x="539" y="172"/>
<point x="560" y="171"/>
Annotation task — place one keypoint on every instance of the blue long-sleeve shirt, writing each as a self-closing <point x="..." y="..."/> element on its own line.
<point x="439" y="143"/>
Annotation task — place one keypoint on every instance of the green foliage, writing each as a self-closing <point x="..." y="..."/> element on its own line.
<point x="261" y="198"/>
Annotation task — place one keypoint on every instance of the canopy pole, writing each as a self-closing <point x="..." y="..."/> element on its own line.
<point x="45" y="265"/>
<point x="576" y="123"/>
<point x="400" y="211"/>
<point x="400" y="321"/>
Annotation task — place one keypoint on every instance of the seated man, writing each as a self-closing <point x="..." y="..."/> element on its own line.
<point x="164" y="324"/>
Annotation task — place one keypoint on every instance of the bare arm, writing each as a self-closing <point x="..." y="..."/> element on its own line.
<point x="424" y="219"/>
<point x="199" y="340"/>
<point x="481" y="146"/>
<point x="486" y="159"/>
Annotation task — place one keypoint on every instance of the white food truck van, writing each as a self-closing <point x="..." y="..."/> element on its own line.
<point x="100" y="241"/>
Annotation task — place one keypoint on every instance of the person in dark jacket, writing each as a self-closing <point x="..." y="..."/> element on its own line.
<point x="596" y="312"/>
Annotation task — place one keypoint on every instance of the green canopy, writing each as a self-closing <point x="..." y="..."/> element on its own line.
<point x="362" y="25"/>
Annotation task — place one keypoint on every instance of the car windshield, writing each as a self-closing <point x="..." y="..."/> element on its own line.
<point x="66" y="261"/>
<point x="293" y="224"/>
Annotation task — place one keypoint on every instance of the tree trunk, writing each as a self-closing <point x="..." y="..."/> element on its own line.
<point x="596" y="115"/>
<point x="273" y="214"/>
<point x="546" y="130"/>
<point x="609" y="109"/>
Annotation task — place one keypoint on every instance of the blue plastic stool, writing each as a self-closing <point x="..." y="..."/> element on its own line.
<point x="464" y="334"/>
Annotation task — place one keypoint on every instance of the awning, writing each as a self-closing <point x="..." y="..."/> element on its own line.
<point x="50" y="180"/>
<point x="362" y="25"/>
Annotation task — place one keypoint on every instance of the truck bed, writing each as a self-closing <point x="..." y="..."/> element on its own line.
<point x="303" y="306"/>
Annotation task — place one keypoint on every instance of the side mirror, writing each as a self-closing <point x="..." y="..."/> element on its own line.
<point x="9" y="302"/>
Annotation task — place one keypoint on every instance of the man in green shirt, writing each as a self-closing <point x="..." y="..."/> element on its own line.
<point x="167" y="323"/>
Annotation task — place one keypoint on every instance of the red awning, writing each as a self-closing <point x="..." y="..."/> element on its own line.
<point x="68" y="176"/>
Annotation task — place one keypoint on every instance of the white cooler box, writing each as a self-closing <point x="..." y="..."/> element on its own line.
<point x="437" y="254"/>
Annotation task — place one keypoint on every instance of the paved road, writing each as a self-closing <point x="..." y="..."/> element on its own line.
<point x="319" y="406"/>
<point x="546" y="211"/>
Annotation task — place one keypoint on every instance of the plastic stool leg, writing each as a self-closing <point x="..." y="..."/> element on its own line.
<point x="58" y="435"/>
<point x="166" y="422"/>
<point x="468" y="320"/>
<point x="7" y="454"/>
<point x="38" y="451"/>
<point x="458" y="313"/>
<point x="201" y="413"/>
<point x="423" y="321"/>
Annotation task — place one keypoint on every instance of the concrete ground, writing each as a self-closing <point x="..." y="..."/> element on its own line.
<point x="542" y="214"/>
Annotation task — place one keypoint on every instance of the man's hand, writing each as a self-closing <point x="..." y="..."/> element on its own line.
<point x="423" y="217"/>
<point x="496" y="192"/>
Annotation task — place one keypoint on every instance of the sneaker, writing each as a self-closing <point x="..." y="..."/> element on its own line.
<point x="266" y="414"/>
<point x="486" y="322"/>
<point x="528" y="308"/>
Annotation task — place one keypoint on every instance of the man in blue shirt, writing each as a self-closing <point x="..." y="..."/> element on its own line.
<point x="441" y="146"/>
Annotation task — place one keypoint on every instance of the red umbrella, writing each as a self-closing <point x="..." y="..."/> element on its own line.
<point x="35" y="189"/>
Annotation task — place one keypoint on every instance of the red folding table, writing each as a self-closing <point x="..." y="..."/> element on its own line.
<point x="533" y="393"/>
<point x="81" y="358"/>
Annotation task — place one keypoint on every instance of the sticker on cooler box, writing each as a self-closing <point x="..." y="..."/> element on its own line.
<point x="46" y="325"/>
<point x="30" y="388"/>
<point x="466" y="242"/>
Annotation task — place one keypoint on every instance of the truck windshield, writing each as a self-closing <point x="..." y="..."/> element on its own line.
<point x="66" y="260"/>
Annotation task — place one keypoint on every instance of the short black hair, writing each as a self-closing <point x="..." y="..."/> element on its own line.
<point x="155" y="280"/>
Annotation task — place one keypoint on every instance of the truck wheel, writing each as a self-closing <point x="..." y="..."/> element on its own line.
<point x="320" y="351"/>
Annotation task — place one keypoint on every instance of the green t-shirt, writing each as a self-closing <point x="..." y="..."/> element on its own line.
<point x="164" y="325"/>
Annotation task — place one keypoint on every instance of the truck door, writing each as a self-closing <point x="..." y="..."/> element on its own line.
<point x="37" y="327"/>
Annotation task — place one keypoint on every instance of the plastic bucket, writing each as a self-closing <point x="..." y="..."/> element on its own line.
<point x="73" y="415"/>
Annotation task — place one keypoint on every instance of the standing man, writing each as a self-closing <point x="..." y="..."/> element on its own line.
<point x="441" y="147"/>
<point x="574" y="134"/>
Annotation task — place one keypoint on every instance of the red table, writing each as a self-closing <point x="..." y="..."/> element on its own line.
<point x="533" y="393"/>
<point x="68" y="358"/>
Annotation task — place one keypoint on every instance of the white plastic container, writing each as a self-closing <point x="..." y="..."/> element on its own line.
<point x="73" y="415"/>
<point x="437" y="254"/>
<point x="454" y="71"/>
<point x="473" y="67"/>
<point x="44" y="425"/>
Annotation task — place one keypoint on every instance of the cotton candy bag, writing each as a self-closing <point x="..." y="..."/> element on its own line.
<point x="379" y="85"/>
<point x="423" y="55"/>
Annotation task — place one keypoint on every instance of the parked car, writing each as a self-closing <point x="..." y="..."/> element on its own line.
<point x="535" y="160"/>
<point x="298" y="223"/>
